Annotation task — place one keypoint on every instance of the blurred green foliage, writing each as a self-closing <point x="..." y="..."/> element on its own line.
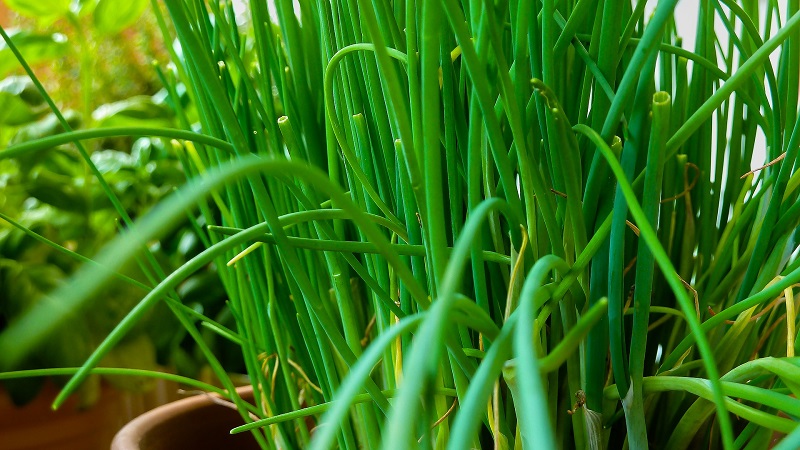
<point x="54" y="194"/>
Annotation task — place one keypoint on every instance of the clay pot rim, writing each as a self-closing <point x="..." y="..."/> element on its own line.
<point x="133" y="432"/>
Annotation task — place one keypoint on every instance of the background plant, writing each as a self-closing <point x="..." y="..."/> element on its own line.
<point x="492" y="212"/>
<point x="53" y="207"/>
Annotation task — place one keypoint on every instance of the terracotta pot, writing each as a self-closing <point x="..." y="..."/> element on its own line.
<point x="195" y="423"/>
<point x="37" y="427"/>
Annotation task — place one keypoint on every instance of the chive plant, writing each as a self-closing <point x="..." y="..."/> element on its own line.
<point x="469" y="224"/>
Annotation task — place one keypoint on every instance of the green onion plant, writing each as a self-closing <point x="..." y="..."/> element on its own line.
<point x="479" y="224"/>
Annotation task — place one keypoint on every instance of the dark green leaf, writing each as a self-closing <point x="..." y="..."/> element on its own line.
<point x="19" y="103"/>
<point x="58" y="191"/>
<point x="23" y="390"/>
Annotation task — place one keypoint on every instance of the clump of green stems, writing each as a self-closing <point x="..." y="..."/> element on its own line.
<point x="513" y="224"/>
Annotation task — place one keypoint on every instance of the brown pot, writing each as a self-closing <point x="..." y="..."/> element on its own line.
<point x="195" y="423"/>
<point x="36" y="426"/>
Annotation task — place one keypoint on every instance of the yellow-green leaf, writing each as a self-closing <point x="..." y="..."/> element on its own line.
<point x="112" y="16"/>
<point x="39" y="8"/>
